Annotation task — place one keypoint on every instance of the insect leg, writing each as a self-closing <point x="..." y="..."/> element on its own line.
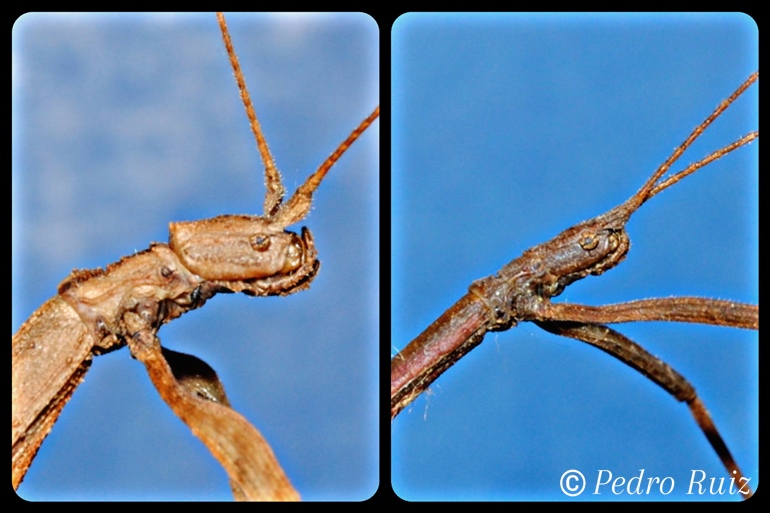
<point x="634" y="355"/>
<point x="717" y="312"/>
<point x="254" y="472"/>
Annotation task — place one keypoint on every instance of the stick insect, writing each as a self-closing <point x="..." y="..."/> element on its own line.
<point x="149" y="128"/>
<point x="542" y="148"/>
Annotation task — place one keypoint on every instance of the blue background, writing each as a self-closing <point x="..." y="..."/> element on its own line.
<point x="123" y="123"/>
<point x="508" y="129"/>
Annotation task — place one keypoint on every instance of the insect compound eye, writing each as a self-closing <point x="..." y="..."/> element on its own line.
<point x="260" y="242"/>
<point x="589" y="241"/>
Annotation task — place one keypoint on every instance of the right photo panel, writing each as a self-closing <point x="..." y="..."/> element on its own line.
<point x="512" y="379"/>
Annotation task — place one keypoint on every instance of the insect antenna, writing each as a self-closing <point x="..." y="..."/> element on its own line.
<point x="273" y="183"/>
<point x="671" y="180"/>
<point x="650" y="189"/>
<point x="298" y="205"/>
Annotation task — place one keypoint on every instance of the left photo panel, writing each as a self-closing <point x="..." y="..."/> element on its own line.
<point x="124" y="123"/>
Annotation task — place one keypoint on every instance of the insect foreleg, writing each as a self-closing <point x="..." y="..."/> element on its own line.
<point x="658" y="371"/>
<point x="253" y="469"/>
<point x="717" y="312"/>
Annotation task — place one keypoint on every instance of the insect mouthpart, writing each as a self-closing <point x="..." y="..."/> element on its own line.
<point x="295" y="253"/>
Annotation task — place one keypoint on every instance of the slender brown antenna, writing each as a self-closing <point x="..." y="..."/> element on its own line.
<point x="649" y="189"/>
<point x="671" y="180"/>
<point x="273" y="183"/>
<point x="299" y="205"/>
